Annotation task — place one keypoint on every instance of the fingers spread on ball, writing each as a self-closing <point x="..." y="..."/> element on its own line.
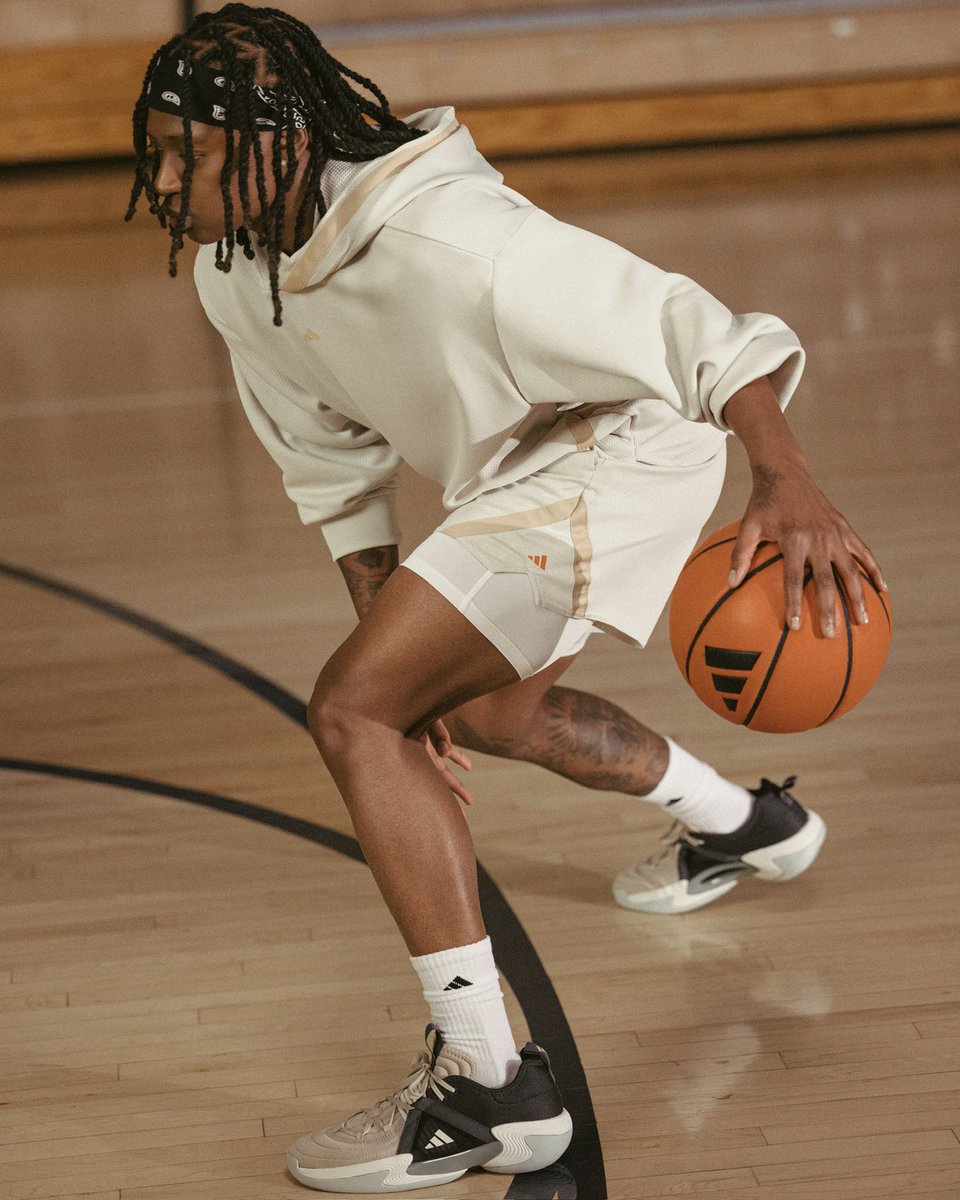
<point x="851" y="581"/>
<point x="863" y="555"/>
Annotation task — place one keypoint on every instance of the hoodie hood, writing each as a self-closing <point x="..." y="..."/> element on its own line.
<point x="362" y="197"/>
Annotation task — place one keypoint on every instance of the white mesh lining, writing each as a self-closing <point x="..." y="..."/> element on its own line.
<point x="334" y="178"/>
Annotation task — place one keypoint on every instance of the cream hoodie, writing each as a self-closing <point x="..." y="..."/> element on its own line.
<point x="438" y="317"/>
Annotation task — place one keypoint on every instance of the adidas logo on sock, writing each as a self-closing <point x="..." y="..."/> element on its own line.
<point x="458" y="981"/>
<point x="439" y="1140"/>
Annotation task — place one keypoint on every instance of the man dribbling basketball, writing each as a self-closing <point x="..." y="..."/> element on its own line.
<point x="391" y="300"/>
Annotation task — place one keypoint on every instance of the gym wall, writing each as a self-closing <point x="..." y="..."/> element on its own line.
<point x="528" y="76"/>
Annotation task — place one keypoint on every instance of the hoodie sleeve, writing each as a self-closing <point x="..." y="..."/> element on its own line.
<point x="582" y="320"/>
<point x="339" y="474"/>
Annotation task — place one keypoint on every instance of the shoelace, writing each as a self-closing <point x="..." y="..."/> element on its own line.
<point x="422" y="1079"/>
<point x="678" y="834"/>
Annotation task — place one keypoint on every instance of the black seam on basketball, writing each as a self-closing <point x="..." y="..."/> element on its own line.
<point x="776" y="655"/>
<point x="723" y="599"/>
<point x="880" y="596"/>
<point x="712" y="546"/>
<point x="849" y="672"/>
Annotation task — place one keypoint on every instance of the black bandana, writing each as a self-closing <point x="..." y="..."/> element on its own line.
<point x="210" y="96"/>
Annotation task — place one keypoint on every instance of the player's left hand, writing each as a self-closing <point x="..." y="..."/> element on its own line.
<point x="440" y="747"/>
<point x="787" y="507"/>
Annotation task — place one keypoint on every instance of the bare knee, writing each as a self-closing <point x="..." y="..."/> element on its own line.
<point x="328" y="712"/>
<point x="341" y="710"/>
<point x="351" y="708"/>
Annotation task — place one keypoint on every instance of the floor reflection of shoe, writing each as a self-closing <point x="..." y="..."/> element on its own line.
<point x="778" y="841"/>
<point x="437" y="1125"/>
<point x="552" y="1183"/>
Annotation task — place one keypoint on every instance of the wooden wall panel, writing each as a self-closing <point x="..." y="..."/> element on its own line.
<point x="68" y="22"/>
<point x="722" y="115"/>
<point x="52" y="22"/>
<point x="335" y="12"/>
<point x="664" y="56"/>
<point x="690" y="80"/>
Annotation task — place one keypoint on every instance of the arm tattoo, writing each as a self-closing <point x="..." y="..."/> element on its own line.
<point x="765" y="480"/>
<point x="366" y="571"/>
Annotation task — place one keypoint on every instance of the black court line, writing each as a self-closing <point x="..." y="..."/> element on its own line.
<point x="515" y="952"/>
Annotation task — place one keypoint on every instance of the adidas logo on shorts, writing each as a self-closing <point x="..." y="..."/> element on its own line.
<point x="538" y="560"/>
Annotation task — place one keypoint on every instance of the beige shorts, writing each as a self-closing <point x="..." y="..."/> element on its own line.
<point x="501" y="605"/>
<point x="602" y="533"/>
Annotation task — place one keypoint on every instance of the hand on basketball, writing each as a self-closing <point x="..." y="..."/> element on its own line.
<point x="786" y="507"/>
<point x="439" y="748"/>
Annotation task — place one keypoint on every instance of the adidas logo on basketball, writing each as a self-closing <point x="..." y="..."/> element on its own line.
<point x="730" y="686"/>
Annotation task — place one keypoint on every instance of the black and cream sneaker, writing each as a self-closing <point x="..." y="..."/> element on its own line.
<point x="778" y="841"/>
<point x="437" y="1125"/>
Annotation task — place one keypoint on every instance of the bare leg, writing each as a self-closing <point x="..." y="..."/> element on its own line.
<point x="580" y="736"/>
<point x="412" y="658"/>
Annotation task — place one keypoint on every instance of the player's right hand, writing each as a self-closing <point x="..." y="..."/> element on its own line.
<point x="440" y="748"/>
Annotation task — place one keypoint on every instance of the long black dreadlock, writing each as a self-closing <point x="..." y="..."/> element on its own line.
<point x="267" y="47"/>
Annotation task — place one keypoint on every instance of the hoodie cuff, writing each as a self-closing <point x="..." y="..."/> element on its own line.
<point x="375" y="524"/>
<point x="778" y="355"/>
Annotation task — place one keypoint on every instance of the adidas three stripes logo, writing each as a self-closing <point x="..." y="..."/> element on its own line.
<point x="458" y="981"/>
<point x="730" y="686"/>
<point x="438" y="1140"/>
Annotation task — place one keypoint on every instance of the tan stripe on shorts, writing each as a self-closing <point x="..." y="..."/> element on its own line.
<point x="582" y="558"/>
<point x="549" y="514"/>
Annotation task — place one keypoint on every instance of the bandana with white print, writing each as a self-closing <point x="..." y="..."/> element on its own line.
<point x="212" y="96"/>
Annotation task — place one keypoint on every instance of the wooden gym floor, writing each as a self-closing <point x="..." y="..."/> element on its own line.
<point x="195" y="968"/>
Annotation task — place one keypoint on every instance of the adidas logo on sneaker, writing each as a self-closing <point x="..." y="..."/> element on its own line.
<point x="438" y="1140"/>
<point x="458" y="981"/>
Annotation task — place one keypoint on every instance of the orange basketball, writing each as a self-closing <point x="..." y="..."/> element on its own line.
<point x="734" y="648"/>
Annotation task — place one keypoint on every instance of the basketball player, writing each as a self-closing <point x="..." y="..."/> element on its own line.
<point x="384" y="296"/>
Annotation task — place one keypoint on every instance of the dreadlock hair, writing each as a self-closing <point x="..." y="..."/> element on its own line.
<point x="266" y="47"/>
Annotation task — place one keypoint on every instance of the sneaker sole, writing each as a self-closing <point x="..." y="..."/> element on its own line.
<point x="520" y="1147"/>
<point x="773" y="864"/>
<point x="671" y="898"/>
<point x="381" y="1175"/>
<point x="530" y="1145"/>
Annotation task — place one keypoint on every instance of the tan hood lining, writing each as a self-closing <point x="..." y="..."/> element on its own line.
<point x="330" y="229"/>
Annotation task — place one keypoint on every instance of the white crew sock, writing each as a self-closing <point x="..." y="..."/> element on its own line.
<point x="462" y="988"/>
<point x="694" y="793"/>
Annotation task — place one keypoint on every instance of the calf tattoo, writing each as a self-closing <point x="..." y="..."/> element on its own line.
<point x="580" y="736"/>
